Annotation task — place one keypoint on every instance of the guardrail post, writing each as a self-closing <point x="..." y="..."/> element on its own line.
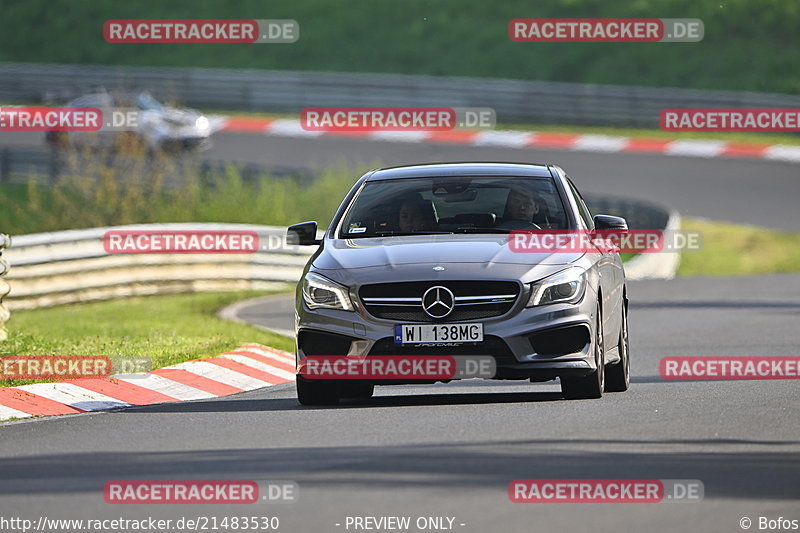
<point x="54" y="166"/>
<point x="5" y="241"/>
<point x="5" y="165"/>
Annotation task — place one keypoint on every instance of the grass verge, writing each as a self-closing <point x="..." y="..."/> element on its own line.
<point x="735" y="249"/>
<point x="167" y="329"/>
<point x="109" y="199"/>
<point x="747" y="45"/>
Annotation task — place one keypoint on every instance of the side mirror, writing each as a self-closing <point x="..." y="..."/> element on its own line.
<point x="303" y="234"/>
<point x="608" y="222"/>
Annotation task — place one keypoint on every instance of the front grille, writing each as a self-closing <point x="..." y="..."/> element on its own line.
<point x="491" y="345"/>
<point x="402" y="301"/>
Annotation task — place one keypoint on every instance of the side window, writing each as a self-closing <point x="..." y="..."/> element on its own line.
<point x="586" y="216"/>
<point x="84" y="101"/>
<point x="92" y="100"/>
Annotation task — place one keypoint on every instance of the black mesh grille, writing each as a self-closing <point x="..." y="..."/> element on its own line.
<point x="560" y="341"/>
<point x="321" y="343"/>
<point x="462" y="311"/>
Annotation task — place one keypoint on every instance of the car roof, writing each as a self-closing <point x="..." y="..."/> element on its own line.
<point x="112" y="96"/>
<point x="461" y="169"/>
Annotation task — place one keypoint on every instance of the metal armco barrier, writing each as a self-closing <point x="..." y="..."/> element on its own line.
<point x="291" y="91"/>
<point x="73" y="266"/>
<point x="5" y="242"/>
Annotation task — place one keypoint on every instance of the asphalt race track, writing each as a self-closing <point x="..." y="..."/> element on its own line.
<point x="747" y="191"/>
<point x="451" y="450"/>
<point x="739" y="190"/>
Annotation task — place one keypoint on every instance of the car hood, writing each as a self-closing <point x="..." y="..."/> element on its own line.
<point x="179" y="117"/>
<point x="405" y="257"/>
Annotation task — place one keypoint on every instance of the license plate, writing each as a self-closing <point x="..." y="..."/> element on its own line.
<point x="416" y="333"/>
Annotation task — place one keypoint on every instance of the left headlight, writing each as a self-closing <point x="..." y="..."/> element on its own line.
<point x="566" y="286"/>
<point x="320" y="292"/>
<point x="201" y="123"/>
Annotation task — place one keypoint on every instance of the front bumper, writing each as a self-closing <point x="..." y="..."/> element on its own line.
<point x="538" y="343"/>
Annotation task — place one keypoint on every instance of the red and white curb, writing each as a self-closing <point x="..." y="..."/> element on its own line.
<point x="525" y="139"/>
<point x="249" y="367"/>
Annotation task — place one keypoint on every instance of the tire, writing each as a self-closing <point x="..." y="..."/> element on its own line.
<point x="356" y="391"/>
<point x="618" y="376"/>
<point x="591" y="386"/>
<point x="316" y="391"/>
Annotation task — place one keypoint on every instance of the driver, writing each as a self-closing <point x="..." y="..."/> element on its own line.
<point x="521" y="206"/>
<point x="416" y="215"/>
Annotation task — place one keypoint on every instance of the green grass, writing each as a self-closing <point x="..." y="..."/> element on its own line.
<point x="735" y="249"/>
<point x="748" y="45"/>
<point x="167" y="329"/>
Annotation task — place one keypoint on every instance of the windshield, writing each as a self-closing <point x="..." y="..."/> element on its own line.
<point x="145" y="101"/>
<point x="423" y="206"/>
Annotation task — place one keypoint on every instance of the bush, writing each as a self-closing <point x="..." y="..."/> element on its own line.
<point x="109" y="194"/>
<point x="748" y="45"/>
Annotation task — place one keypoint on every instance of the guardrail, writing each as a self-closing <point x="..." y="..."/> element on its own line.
<point x="5" y="242"/>
<point x="291" y="91"/>
<point x="73" y="266"/>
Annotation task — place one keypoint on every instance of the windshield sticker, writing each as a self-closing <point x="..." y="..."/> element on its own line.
<point x="356" y="228"/>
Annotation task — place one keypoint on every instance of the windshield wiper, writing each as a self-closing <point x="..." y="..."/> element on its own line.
<point x="481" y="230"/>
<point x="396" y="234"/>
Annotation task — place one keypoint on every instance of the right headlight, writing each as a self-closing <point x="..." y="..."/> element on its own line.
<point x="201" y="123"/>
<point x="566" y="286"/>
<point x="321" y="292"/>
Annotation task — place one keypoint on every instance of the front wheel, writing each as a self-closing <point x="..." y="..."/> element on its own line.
<point x="619" y="375"/>
<point x="591" y="386"/>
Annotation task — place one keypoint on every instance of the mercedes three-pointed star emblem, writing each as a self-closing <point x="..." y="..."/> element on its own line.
<point x="438" y="301"/>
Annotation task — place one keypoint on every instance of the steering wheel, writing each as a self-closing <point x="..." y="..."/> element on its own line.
<point x="517" y="224"/>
